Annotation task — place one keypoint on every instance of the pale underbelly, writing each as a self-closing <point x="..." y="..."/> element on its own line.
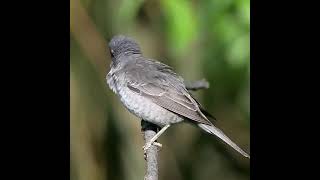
<point x="145" y="109"/>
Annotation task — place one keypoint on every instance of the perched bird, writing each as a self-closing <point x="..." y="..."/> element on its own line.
<point x="153" y="92"/>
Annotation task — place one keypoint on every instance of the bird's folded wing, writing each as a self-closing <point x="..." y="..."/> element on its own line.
<point x="170" y="98"/>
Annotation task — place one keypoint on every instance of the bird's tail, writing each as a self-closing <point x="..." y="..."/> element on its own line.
<point x="215" y="131"/>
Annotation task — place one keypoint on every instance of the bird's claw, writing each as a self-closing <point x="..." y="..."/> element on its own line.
<point x="157" y="144"/>
<point x="148" y="145"/>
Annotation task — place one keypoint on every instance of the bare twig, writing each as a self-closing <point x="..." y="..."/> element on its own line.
<point x="197" y="85"/>
<point x="149" y="130"/>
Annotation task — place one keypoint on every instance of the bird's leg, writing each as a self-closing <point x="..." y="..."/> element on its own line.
<point x="154" y="138"/>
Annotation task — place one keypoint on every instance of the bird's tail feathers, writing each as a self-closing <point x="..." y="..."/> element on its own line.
<point x="217" y="132"/>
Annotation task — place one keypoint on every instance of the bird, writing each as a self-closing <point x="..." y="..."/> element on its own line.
<point x="154" y="92"/>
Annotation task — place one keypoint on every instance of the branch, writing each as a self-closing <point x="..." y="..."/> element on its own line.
<point x="149" y="130"/>
<point x="197" y="85"/>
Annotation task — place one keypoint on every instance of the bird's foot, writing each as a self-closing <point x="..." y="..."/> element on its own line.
<point x="157" y="144"/>
<point x="148" y="145"/>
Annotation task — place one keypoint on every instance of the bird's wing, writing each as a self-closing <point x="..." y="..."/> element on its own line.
<point x="166" y="89"/>
<point x="205" y="112"/>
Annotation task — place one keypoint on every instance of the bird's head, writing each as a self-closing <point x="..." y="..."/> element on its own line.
<point x="123" y="45"/>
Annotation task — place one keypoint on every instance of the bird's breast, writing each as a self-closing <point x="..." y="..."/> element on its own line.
<point x="141" y="106"/>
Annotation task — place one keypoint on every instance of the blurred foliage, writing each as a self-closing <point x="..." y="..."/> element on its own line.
<point x="200" y="39"/>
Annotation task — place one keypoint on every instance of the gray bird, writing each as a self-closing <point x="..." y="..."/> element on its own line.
<point x="152" y="91"/>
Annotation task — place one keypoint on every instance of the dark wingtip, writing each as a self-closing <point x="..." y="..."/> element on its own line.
<point x="206" y="113"/>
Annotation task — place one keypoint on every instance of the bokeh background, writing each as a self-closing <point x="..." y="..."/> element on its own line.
<point x="200" y="39"/>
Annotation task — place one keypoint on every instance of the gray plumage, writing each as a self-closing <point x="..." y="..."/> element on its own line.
<point x="153" y="91"/>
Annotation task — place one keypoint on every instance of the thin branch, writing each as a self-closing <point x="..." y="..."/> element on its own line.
<point x="149" y="130"/>
<point x="197" y="85"/>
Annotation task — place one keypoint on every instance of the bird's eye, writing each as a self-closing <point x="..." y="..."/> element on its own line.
<point x="112" y="53"/>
